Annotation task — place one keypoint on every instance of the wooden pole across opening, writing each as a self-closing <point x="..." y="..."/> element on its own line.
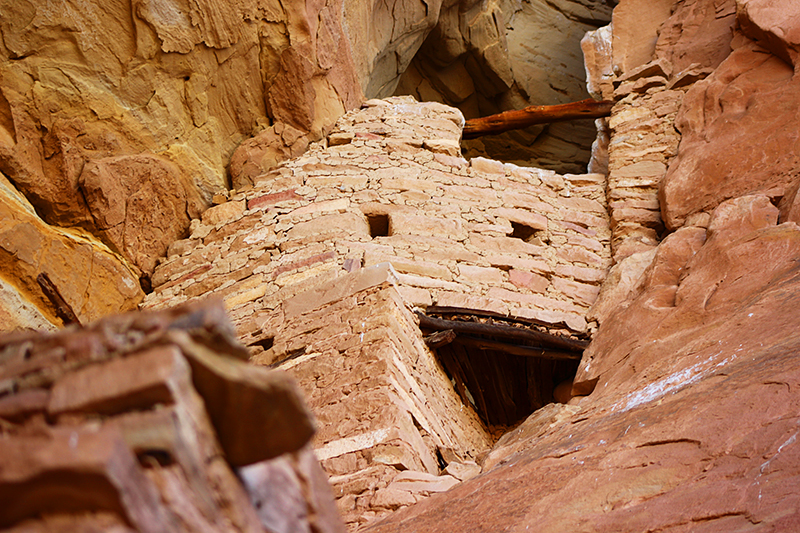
<point x="535" y="114"/>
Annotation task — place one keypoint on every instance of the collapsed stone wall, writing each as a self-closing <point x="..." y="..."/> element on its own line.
<point x="153" y="422"/>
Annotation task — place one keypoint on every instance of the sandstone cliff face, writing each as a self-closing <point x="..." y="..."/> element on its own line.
<point x="684" y="414"/>
<point x="179" y="83"/>
<point x="92" y="279"/>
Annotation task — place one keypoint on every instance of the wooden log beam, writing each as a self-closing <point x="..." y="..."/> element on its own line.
<point x="440" y="338"/>
<point x="535" y="114"/>
<point x="545" y="340"/>
<point x="516" y="349"/>
<point x="63" y="309"/>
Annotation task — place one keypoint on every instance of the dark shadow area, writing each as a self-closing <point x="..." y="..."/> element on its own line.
<point x="378" y="224"/>
<point x="505" y="368"/>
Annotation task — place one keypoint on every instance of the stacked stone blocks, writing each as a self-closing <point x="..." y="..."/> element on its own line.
<point x="321" y="261"/>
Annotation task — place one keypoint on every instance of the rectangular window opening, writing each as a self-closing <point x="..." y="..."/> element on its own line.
<point x="378" y="224"/>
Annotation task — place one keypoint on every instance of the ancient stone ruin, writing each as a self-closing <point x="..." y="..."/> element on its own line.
<point x="345" y="317"/>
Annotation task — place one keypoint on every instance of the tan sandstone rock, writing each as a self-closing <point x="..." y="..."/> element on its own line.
<point x="91" y="278"/>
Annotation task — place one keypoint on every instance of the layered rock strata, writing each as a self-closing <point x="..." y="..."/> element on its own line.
<point x="142" y="422"/>
<point x="320" y="261"/>
<point x="90" y="278"/>
<point x="648" y="73"/>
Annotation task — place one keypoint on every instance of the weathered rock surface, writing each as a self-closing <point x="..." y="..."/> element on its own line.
<point x="738" y="135"/>
<point x="93" y="280"/>
<point x="139" y="421"/>
<point x="737" y="125"/>
<point x="391" y="187"/>
<point x="690" y="423"/>
<point x="697" y="34"/>
<point x="322" y="260"/>
<point x="488" y="57"/>
<point x="126" y="120"/>
<point x="147" y="103"/>
<point x="683" y="414"/>
<point x="137" y="204"/>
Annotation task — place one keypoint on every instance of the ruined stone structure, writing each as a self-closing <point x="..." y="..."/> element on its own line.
<point x="321" y="262"/>
<point x="427" y="304"/>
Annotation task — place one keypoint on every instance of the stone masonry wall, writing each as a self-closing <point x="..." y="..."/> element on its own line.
<point x="477" y="234"/>
<point x="387" y="414"/>
<point x="320" y="261"/>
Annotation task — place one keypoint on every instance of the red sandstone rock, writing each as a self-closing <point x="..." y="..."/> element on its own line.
<point x="738" y="125"/>
<point x="263" y="152"/>
<point x="137" y="205"/>
<point x="140" y="420"/>
<point x="697" y="34"/>
<point x="634" y="32"/>
<point x="775" y="25"/>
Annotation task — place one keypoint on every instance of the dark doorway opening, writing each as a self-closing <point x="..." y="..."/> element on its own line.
<point x="505" y="368"/>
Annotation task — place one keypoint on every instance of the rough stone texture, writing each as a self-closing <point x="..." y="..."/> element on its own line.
<point x="643" y="141"/>
<point x="385" y="37"/>
<point x="685" y="410"/>
<point x="654" y="55"/>
<point x="382" y="401"/>
<point x="92" y="279"/>
<point x="263" y="152"/>
<point x="126" y="120"/>
<point x="636" y="24"/>
<point x="390" y="189"/>
<point x="738" y="129"/>
<point x="697" y="34"/>
<point x="140" y="419"/>
<point x="683" y="415"/>
<point x="187" y="83"/>
<point x="137" y="204"/>
<point x="488" y="57"/>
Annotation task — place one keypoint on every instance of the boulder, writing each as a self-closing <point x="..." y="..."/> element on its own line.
<point x="737" y="125"/>
<point x="189" y="84"/>
<point x="138" y="205"/>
